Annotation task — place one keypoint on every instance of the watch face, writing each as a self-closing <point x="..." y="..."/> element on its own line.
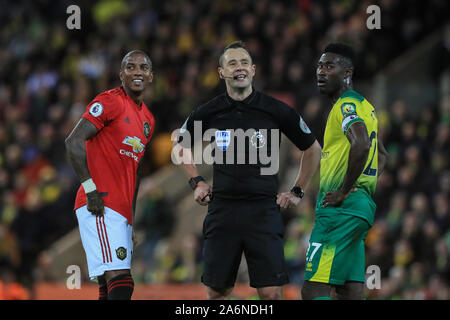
<point x="298" y="192"/>
<point x="192" y="183"/>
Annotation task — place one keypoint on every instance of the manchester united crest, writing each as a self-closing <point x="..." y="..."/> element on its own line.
<point x="121" y="253"/>
<point x="146" y="129"/>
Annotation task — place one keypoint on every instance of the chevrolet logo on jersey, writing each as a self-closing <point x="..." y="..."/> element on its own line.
<point x="135" y="142"/>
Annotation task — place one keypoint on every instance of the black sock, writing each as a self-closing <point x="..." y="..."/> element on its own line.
<point x="102" y="289"/>
<point x="120" y="287"/>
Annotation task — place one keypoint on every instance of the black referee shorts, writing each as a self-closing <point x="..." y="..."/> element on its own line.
<point x="233" y="227"/>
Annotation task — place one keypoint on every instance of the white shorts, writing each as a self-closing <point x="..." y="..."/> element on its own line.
<point x="107" y="241"/>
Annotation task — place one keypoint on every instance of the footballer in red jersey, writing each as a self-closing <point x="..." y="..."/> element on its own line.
<point x="106" y="149"/>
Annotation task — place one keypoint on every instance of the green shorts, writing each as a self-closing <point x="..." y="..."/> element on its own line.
<point x="336" y="251"/>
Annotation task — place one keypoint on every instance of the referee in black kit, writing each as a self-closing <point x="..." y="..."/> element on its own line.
<point x="244" y="205"/>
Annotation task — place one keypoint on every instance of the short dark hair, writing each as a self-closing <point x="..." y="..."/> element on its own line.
<point x="343" y="50"/>
<point x="124" y="60"/>
<point x="233" y="45"/>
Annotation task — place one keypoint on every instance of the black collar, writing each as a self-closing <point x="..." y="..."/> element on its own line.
<point x="248" y="100"/>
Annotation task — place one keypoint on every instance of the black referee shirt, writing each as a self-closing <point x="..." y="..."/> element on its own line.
<point x="240" y="135"/>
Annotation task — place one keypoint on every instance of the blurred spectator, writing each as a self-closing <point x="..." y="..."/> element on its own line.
<point x="156" y="221"/>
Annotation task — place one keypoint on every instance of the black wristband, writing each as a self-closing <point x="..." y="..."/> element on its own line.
<point x="194" y="181"/>
<point x="298" y="192"/>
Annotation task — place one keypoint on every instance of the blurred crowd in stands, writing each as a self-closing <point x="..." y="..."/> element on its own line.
<point x="48" y="74"/>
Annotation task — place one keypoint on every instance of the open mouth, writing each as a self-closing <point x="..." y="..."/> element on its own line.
<point x="240" y="77"/>
<point x="138" y="82"/>
<point x="321" y="82"/>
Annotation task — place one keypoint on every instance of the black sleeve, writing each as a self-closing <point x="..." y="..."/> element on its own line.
<point x="294" y="127"/>
<point x="187" y="134"/>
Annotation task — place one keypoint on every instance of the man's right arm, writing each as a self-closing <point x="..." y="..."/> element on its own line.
<point x="203" y="190"/>
<point x="182" y="150"/>
<point x="76" y="147"/>
<point x="76" y="153"/>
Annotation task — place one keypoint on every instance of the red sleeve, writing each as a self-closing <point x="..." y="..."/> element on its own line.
<point x="102" y="110"/>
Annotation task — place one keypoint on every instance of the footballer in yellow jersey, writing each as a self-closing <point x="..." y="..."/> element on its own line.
<point x="350" y="108"/>
<point x="352" y="159"/>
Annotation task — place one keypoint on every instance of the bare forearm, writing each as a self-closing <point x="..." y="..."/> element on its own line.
<point x="76" y="154"/>
<point x="76" y="148"/>
<point x="356" y="161"/>
<point x="190" y="170"/>
<point x="308" y="165"/>
<point x="188" y="166"/>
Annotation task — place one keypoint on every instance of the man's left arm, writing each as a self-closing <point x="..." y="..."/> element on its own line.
<point x="298" y="132"/>
<point x="359" y="151"/>
<point x="307" y="168"/>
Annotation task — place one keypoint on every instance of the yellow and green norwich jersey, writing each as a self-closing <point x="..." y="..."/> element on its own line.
<point x="351" y="107"/>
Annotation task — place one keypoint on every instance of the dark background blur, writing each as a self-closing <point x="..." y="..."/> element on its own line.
<point x="48" y="75"/>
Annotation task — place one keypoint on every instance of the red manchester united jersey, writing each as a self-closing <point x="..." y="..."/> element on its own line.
<point x="124" y="129"/>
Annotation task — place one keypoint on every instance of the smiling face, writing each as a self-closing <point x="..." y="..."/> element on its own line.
<point x="237" y="68"/>
<point x="136" y="73"/>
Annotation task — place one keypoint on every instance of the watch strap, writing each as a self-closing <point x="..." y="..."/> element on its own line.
<point x="194" y="181"/>
<point x="298" y="192"/>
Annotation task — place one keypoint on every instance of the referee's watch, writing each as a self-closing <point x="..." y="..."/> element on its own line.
<point x="298" y="192"/>
<point x="194" y="181"/>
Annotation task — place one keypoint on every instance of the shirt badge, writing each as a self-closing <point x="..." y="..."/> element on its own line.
<point x="223" y="139"/>
<point x="304" y="126"/>
<point x="96" y="109"/>
<point x="257" y="140"/>
<point x="147" y="128"/>
<point x="348" y="108"/>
